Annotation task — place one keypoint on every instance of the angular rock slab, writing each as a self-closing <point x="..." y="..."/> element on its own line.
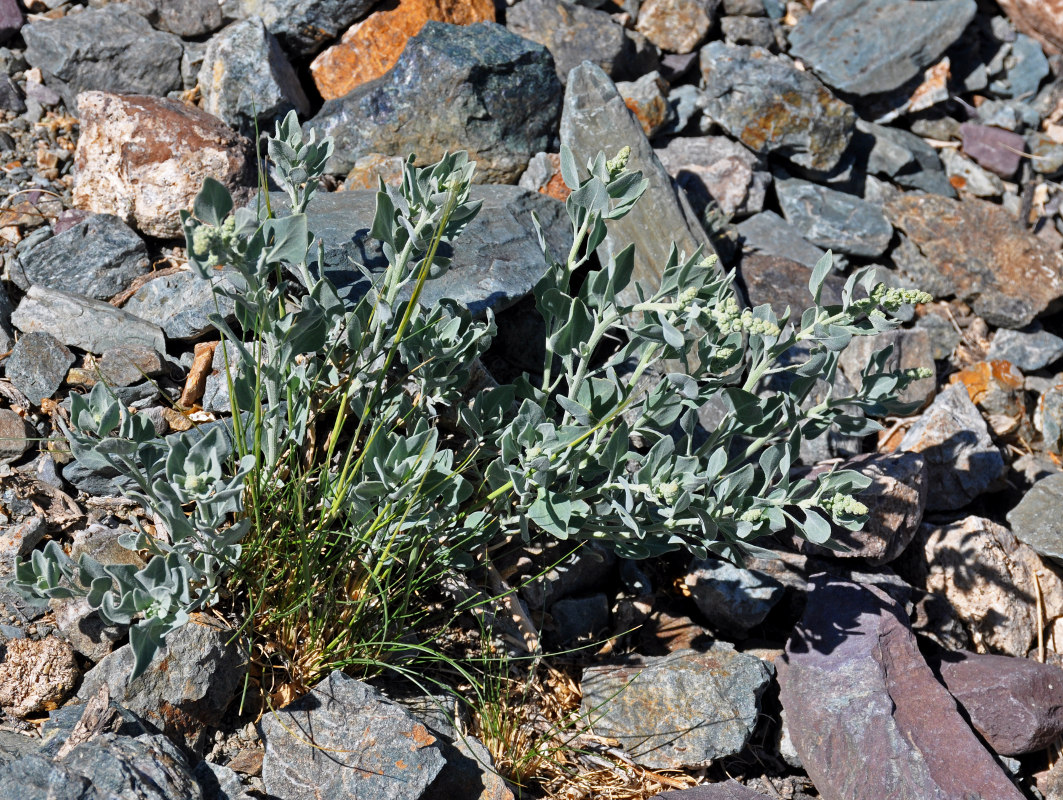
<point x="772" y="107"/>
<point x="478" y="88"/>
<point x="595" y="119"/>
<point x="728" y="790"/>
<point x="718" y="167"/>
<point x="1007" y="275"/>
<point x="303" y="26"/>
<point x="144" y="159"/>
<point x="834" y="220"/>
<point x="179" y="304"/>
<point x="1036" y="520"/>
<point x="870" y="46"/>
<point x="732" y="599"/>
<point x="38" y="365"/>
<point x="1028" y="350"/>
<point x="865" y="713"/>
<point x="685" y="709"/>
<point x="363" y="745"/>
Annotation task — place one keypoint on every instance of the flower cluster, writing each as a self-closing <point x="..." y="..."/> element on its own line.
<point x="843" y="505"/>
<point x="729" y="318"/>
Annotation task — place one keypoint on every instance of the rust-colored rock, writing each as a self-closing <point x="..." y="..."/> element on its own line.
<point x="997" y="388"/>
<point x="369" y="169"/>
<point x="143" y="159"/>
<point x="678" y="26"/>
<point x="1041" y="19"/>
<point x="371" y="47"/>
<point x="36" y="674"/>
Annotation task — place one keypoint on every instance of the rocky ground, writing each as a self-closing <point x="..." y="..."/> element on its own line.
<point x="925" y="660"/>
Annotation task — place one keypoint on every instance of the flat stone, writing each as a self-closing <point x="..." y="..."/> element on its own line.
<point x="10" y="19"/>
<point x="732" y="599"/>
<point x="728" y="790"/>
<point x="83" y="628"/>
<point x="772" y="107"/>
<point x="865" y="713"/>
<point x="1036" y="520"/>
<point x="595" y="119"/>
<point x="969" y="178"/>
<point x="834" y="220"/>
<point x="782" y="283"/>
<point x="770" y="235"/>
<point x="35" y="674"/>
<point x="867" y="47"/>
<point x="997" y="150"/>
<point x="719" y="169"/>
<point x="678" y="26"/>
<point x="144" y="159"/>
<point x="911" y="350"/>
<point x="376" y="748"/>
<point x="905" y="158"/>
<point x="125" y="366"/>
<point x="477" y="87"/>
<point x="96" y="258"/>
<point x="678" y="711"/>
<point x="1041" y="19"/>
<point x="246" y="79"/>
<point x="38" y="365"/>
<point x="979" y="254"/>
<point x="110" y="49"/>
<point x="303" y="26"/>
<point x="16" y="436"/>
<point x="189" y="19"/>
<point x="179" y="304"/>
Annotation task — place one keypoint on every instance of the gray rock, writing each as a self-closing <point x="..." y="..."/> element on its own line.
<point x="682" y="710"/>
<point x="188" y="19"/>
<point x="14" y="746"/>
<point x="871" y="46"/>
<point x="96" y="258"/>
<point x="94" y="481"/>
<point x="580" y="618"/>
<point x="1046" y="154"/>
<point x="20" y="539"/>
<point x="145" y="768"/>
<point x="834" y="220"/>
<point x="968" y="176"/>
<point x="303" y="26"/>
<point x="112" y="49"/>
<point x="179" y="304"/>
<point x="685" y="101"/>
<point x="79" y="322"/>
<point x="101" y="543"/>
<point x="80" y="624"/>
<point x="772" y="107"/>
<point x="375" y="748"/>
<point x="38" y="365"/>
<point x="595" y="119"/>
<point x="782" y="284"/>
<point x="1026" y="66"/>
<point x="866" y="714"/>
<point x="475" y="87"/>
<point x="728" y="790"/>
<point x="125" y="366"/>
<point x="911" y="350"/>
<point x="37" y="778"/>
<point x="770" y="234"/>
<point x="733" y="600"/>
<point x="715" y="168"/>
<point x="960" y="455"/>
<point x="218" y="782"/>
<point x="756" y="31"/>
<point x="1029" y="349"/>
<point x="583" y="569"/>
<point x="1036" y="520"/>
<point x="10" y="19"/>
<point x="10" y="96"/>
<point x="246" y="79"/>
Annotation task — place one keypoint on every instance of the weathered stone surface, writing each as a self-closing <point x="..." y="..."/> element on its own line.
<point x="144" y="159"/>
<point x="1041" y="19"/>
<point x="376" y="749"/>
<point x="246" y="78"/>
<point x="871" y="46"/>
<point x="1046" y="154"/>
<point x="15" y="436"/>
<point x="303" y="26"/>
<point x="79" y="322"/>
<point x="124" y="366"/>
<point x="782" y="284"/>
<point x="146" y="768"/>
<point x="179" y="304"/>
<point x="756" y="31"/>
<point x="187" y="687"/>
<point x="997" y="150"/>
<point x="647" y="99"/>
<point x="770" y="235"/>
<point x="190" y="18"/>
<point x="834" y="220"/>
<point x="35" y="674"/>
<point x="476" y="87"/>
<point x="911" y="350"/>
<point x="866" y="714"/>
<point x="370" y="169"/>
<point x="733" y="599"/>
<point x="1015" y="703"/>
<point x="38" y="365"/>
<point x="676" y="25"/>
<point x="906" y="158"/>
<point x="960" y="455"/>
<point x="1007" y="275"/>
<point x="728" y="790"/>
<point x="997" y="389"/>
<point x="81" y="626"/>
<point x="20" y="539"/>
<point x="110" y="49"/>
<point x="101" y="543"/>
<point x="717" y="168"/>
<point x="1036" y="520"/>
<point x="10" y="19"/>
<point x="595" y="119"/>
<point x="969" y="178"/>
<point x="685" y="709"/>
<point x="96" y="258"/>
<point x="772" y="107"/>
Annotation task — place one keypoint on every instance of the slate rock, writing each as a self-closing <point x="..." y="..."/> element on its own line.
<point x="20" y="538"/>
<point x="38" y="365"/>
<point x="376" y="749"/>
<point x="772" y="107"/>
<point x="83" y="628"/>
<point x="79" y="322"/>
<point x="14" y="746"/>
<point x="476" y="87"/>
<point x="685" y="709"/>
<point x="727" y="790"/>
<point x="770" y="235"/>
<point x="246" y="79"/>
<point x="1029" y="349"/>
<point x="580" y="618"/>
<point x="1046" y="154"/>
<point x="866" y="714"/>
<point x="179" y="304"/>
<point x="125" y="366"/>
<point x="10" y="19"/>
<point x="1026" y="66"/>
<point x="96" y="258"/>
<point x="218" y="782"/>
<point x="188" y="19"/>
<point x="148" y="767"/>
<point x="16" y="436"/>
<point x="10" y="96"/>
<point x="595" y="119"/>
<point x="303" y="26"/>
<point x="865" y="47"/>
<point x="834" y="220"/>
<point x="717" y="169"/>
<point x="978" y="253"/>
<point x="968" y="177"/>
<point x="110" y="49"/>
<point x="1036" y="520"/>
<point x="1016" y="704"/>
<point x="732" y="599"/>
<point x="906" y="159"/>
<point x="911" y="350"/>
<point x="997" y="150"/>
<point x="756" y="31"/>
<point x="676" y="25"/>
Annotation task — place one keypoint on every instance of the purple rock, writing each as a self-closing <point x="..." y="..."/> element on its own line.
<point x="68" y="218"/>
<point x="996" y="149"/>
<point x="10" y="19"/>
<point x="866" y="714"/>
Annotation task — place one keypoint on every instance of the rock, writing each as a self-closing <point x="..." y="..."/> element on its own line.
<point x="476" y="87"/>
<point x="982" y="256"/>
<point x="867" y="47"/>
<point x="997" y="389"/>
<point x="581" y="570"/>
<point x="728" y="790"/>
<point x="1046" y="154"/>
<point x="905" y="158"/>
<point x="681" y="710"/>
<point x="369" y="170"/>
<point x="1036" y="520"/>
<point x="38" y="365"/>
<point x="144" y="159"/>
<point x="732" y="599"/>
<point x="246" y="79"/>
<point x="832" y="219"/>
<point x="376" y="749"/>
<point x="179" y="304"/>
<point x="544" y="175"/>
<point x="187" y="688"/>
<point x="865" y="713"/>
<point x="96" y="258"/>
<point x="10" y="96"/>
<point x="580" y="618"/>
<point x="218" y="782"/>
<point x="769" y="234"/>
<point x="1026" y="68"/>
<point x="782" y="284"/>
<point x="189" y="19"/>
<point x="772" y="107"/>
<point x="35" y="674"/>
<point x="303" y="26"/>
<point x="110" y="49"/>
<point x="997" y="150"/>
<point x="595" y="119"/>
<point x="647" y="99"/>
<point x="81" y="626"/>
<point x="101" y="543"/>
<point x="16" y="436"/>
<point x="146" y="768"/>
<point x="10" y="19"/>
<point x="1039" y="19"/>
<point x="968" y="177"/>
<point x="718" y="169"/>
<point x="79" y="322"/>
<point x="125" y="366"/>
<point x="676" y="25"/>
<point x="911" y="350"/>
<point x="19" y="540"/>
<point x="574" y="33"/>
<point x="1015" y="704"/>
<point x="756" y="31"/>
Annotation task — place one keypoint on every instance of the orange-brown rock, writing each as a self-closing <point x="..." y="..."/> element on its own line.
<point x="368" y="171"/>
<point x="371" y="47"/>
<point x="1041" y="19"/>
<point x="996" y="388"/>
